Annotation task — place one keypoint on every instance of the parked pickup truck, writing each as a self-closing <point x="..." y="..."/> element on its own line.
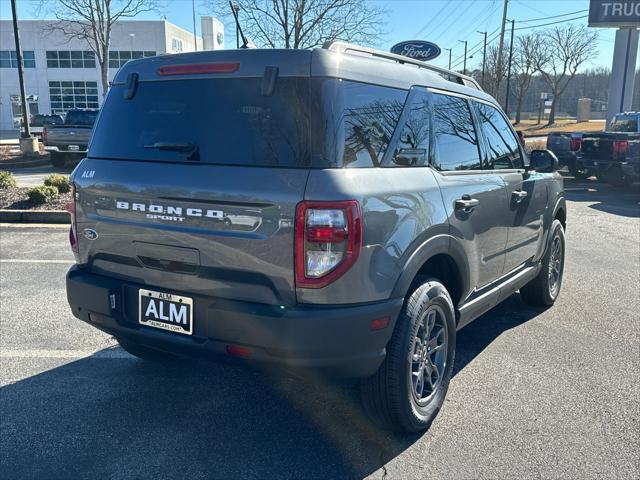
<point x="613" y="156"/>
<point x="566" y="145"/>
<point x="69" y="141"/>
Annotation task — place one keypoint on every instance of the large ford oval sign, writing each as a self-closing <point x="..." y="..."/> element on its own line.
<point x="417" y="49"/>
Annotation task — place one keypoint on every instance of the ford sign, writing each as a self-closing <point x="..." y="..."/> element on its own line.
<point x="417" y="49"/>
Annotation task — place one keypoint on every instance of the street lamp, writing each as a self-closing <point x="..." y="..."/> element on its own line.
<point x="449" y="57"/>
<point x="484" y="55"/>
<point x="236" y="9"/>
<point x="132" y="36"/>
<point x="464" y="68"/>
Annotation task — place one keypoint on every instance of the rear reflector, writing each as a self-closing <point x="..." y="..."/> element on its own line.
<point x="198" y="68"/>
<point x="380" y="323"/>
<point x="238" y="351"/>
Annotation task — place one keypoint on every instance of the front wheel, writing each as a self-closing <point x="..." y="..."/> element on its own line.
<point x="58" y="159"/>
<point x="408" y="390"/>
<point x="543" y="290"/>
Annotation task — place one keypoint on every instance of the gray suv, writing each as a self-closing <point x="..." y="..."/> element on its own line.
<point x="339" y="209"/>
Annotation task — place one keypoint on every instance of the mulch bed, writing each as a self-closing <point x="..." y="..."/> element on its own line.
<point x="17" y="199"/>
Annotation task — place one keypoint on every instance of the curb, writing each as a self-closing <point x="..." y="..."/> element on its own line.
<point x="34" y="216"/>
<point x="37" y="162"/>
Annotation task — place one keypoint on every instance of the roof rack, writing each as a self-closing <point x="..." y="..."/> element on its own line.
<point x="343" y="47"/>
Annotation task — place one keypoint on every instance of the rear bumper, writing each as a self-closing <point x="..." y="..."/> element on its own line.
<point x="335" y="339"/>
<point x="63" y="149"/>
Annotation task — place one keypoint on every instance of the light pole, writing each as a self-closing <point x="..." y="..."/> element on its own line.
<point x="449" y="57"/>
<point x="132" y="37"/>
<point x="23" y="98"/>
<point x="484" y="56"/>
<point x="195" y="38"/>
<point x="464" y="68"/>
<point x="506" y="101"/>
<point x="236" y="9"/>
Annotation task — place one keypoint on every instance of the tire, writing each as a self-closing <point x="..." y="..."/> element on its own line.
<point x="617" y="178"/>
<point x="390" y="395"/>
<point x="145" y="353"/>
<point x="58" y="160"/>
<point x="578" y="172"/>
<point x="601" y="175"/>
<point x="544" y="290"/>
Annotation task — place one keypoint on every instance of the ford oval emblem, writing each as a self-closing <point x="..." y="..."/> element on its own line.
<point x="90" y="234"/>
<point x="417" y="49"/>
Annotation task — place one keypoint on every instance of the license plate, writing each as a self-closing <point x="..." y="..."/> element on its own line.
<point x="166" y="311"/>
<point x="75" y="148"/>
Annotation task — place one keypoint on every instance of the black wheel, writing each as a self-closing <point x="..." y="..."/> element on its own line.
<point x="577" y="171"/>
<point x="58" y="159"/>
<point x="617" y="178"/>
<point x="145" y="353"/>
<point x="601" y="175"/>
<point x="408" y="390"/>
<point x="543" y="290"/>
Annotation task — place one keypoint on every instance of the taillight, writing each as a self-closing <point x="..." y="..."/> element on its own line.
<point x="620" y="147"/>
<point x="576" y="144"/>
<point x="328" y="241"/>
<point x="198" y="68"/>
<point x="73" y="231"/>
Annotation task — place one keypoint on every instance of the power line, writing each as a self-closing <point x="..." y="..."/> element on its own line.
<point x="446" y="25"/>
<point x="553" y="16"/>
<point x="553" y="23"/>
<point x="428" y="24"/>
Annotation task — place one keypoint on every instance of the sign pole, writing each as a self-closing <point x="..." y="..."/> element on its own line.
<point x="623" y="69"/>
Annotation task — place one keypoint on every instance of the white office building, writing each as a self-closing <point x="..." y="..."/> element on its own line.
<point x="62" y="73"/>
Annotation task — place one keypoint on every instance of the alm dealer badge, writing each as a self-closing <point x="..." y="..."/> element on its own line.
<point x="166" y="311"/>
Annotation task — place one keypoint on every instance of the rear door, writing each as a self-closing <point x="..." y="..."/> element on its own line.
<point x="190" y="186"/>
<point x="476" y="199"/>
<point x="526" y="192"/>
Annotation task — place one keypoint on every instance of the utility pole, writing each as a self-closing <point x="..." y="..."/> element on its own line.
<point x="449" y="57"/>
<point x="484" y="57"/>
<point x="502" y="28"/>
<point x="23" y="98"/>
<point x="506" y="101"/>
<point x="195" y="38"/>
<point x="464" y="68"/>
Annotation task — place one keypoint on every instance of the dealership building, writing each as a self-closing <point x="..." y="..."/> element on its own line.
<point x="62" y="73"/>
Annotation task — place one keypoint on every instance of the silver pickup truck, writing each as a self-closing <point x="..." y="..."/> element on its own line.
<point x="69" y="141"/>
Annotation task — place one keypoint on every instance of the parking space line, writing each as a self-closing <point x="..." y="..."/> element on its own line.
<point x="32" y="260"/>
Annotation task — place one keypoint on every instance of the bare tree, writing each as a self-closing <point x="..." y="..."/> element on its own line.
<point x="494" y="72"/>
<point x="563" y="51"/>
<point x="92" y="21"/>
<point x="526" y="50"/>
<point x="306" y="23"/>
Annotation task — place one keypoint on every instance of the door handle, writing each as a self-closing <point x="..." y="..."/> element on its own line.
<point x="466" y="203"/>
<point x="519" y="195"/>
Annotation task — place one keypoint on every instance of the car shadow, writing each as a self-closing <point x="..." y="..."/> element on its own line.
<point x="622" y="201"/>
<point x="110" y="415"/>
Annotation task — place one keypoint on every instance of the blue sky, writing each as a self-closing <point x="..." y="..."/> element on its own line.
<point x="443" y="22"/>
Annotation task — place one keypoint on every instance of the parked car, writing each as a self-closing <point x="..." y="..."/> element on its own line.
<point x="614" y="156"/>
<point x="566" y="146"/>
<point x="69" y="141"/>
<point x="380" y="207"/>
<point x="39" y="121"/>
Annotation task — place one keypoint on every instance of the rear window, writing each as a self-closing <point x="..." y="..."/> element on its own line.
<point x="229" y="121"/>
<point x="81" y="118"/>
<point x="624" y="123"/>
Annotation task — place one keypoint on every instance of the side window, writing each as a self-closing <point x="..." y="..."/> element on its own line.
<point x="504" y="151"/>
<point x="370" y="115"/>
<point x="455" y="136"/>
<point x="412" y="149"/>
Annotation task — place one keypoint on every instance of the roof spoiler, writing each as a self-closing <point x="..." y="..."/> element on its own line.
<point x="343" y="47"/>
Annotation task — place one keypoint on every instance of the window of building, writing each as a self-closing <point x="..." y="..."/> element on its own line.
<point x="67" y="95"/>
<point x="504" y="151"/>
<point x="455" y="136"/>
<point x="412" y="149"/>
<point x="176" y="45"/>
<point x="16" y="108"/>
<point x="71" y="59"/>
<point x="9" y="59"/>
<point x="117" y="58"/>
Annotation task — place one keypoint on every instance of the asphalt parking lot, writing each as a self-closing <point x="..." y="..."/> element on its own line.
<point x="536" y="393"/>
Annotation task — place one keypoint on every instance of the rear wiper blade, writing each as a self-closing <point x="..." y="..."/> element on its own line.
<point x="174" y="147"/>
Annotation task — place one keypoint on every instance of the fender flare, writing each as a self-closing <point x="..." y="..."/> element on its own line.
<point x="436" y="245"/>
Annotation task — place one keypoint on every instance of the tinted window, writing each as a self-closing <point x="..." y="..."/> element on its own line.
<point x="229" y="120"/>
<point x="370" y="114"/>
<point x="454" y="134"/>
<point x="412" y="148"/>
<point x="502" y="143"/>
<point x="624" y="123"/>
<point x="84" y="118"/>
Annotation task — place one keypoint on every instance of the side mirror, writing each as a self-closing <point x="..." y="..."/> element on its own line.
<point x="543" y="161"/>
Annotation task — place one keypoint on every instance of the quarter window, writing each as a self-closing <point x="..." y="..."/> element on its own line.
<point x="455" y="137"/>
<point x="412" y="148"/>
<point x="504" y="151"/>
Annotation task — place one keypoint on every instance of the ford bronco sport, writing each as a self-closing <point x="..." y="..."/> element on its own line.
<point x="338" y="209"/>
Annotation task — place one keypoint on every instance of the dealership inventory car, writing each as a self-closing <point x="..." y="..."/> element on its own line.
<point x="69" y="141"/>
<point x="339" y="209"/>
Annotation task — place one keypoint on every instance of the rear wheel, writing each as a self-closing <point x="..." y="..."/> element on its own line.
<point x="58" y="159"/>
<point x="543" y="290"/>
<point x="408" y="390"/>
<point x="145" y="353"/>
<point x="617" y="178"/>
<point x="577" y="171"/>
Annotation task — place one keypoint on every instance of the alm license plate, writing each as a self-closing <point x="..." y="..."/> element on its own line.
<point x="74" y="148"/>
<point x="166" y="311"/>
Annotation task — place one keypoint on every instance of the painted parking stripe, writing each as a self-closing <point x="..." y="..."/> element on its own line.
<point x="32" y="260"/>
<point x="111" y="352"/>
